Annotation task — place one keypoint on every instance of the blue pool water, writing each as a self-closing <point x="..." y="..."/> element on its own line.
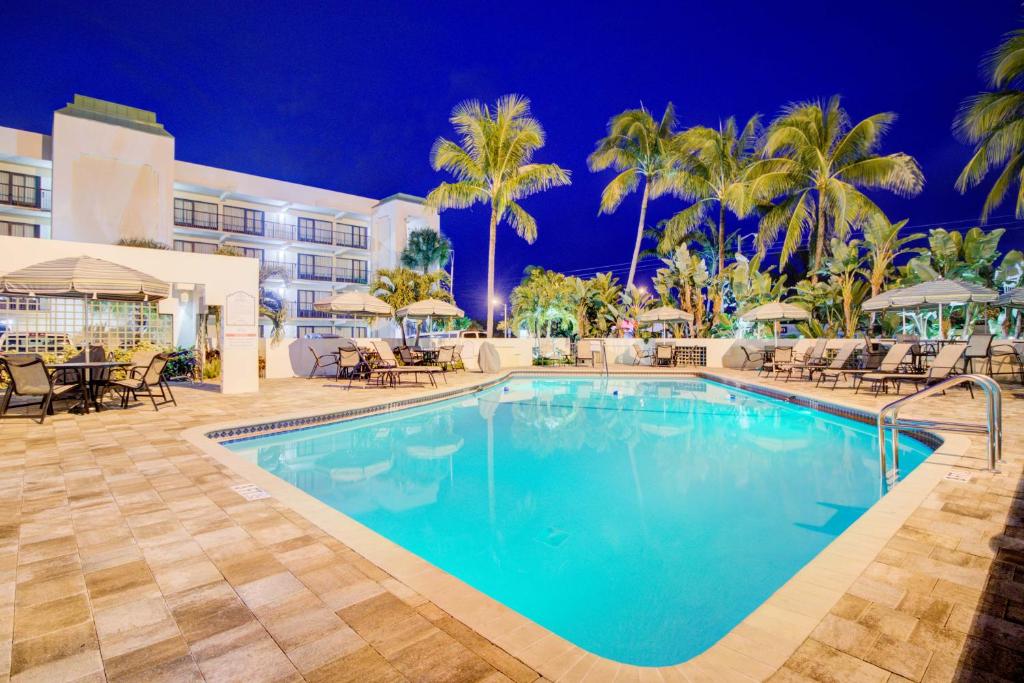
<point x="640" y="519"/>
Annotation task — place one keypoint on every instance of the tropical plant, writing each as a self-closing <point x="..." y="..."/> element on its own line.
<point x="844" y="267"/>
<point x="970" y="256"/>
<point x="426" y="248"/>
<point x="816" y="164"/>
<point x="687" y="274"/>
<point x="752" y="286"/>
<point x="884" y="244"/>
<point x="141" y="243"/>
<point x="640" y="150"/>
<point x="543" y="300"/>
<point x="712" y="174"/>
<point x="632" y="302"/>
<point x="993" y="122"/>
<point x="492" y="163"/>
<point x="400" y="287"/>
<point x="605" y="294"/>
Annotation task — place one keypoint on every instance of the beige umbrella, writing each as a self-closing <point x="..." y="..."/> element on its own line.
<point x="354" y="303"/>
<point x="1013" y="299"/>
<point x="427" y="309"/>
<point x="775" y="311"/>
<point x="665" y="315"/>
<point x="931" y="293"/>
<point x="85" y="277"/>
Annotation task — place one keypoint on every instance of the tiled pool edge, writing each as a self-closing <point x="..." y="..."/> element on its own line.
<point x="753" y="650"/>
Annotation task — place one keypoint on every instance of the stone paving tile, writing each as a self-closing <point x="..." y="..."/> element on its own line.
<point x="125" y="555"/>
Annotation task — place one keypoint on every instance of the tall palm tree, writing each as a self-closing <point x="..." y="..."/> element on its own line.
<point x="426" y="248"/>
<point x="492" y="162"/>
<point x="641" y="150"/>
<point x="883" y="244"/>
<point x="713" y="176"/>
<point x="993" y="122"/>
<point x="816" y="164"/>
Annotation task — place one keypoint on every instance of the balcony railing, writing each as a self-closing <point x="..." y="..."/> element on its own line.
<point x="304" y="309"/>
<point x="319" y="273"/>
<point x="27" y="197"/>
<point x="292" y="232"/>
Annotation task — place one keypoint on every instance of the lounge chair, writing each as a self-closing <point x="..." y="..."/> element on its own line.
<point x="834" y="370"/>
<point x="895" y="357"/>
<point x="979" y="348"/>
<point x="813" y="358"/>
<point x="1006" y="354"/>
<point x="664" y="354"/>
<point x="322" y="360"/>
<point x="584" y="352"/>
<point x="408" y="356"/>
<point x="146" y="382"/>
<point x="753" y="359"/>
<point x="780" y="355"/>
<point x="640" y="353"/>
<point x="945" y="363"/>
<point x="388" y="370"/>
<point x="30" y="377"/>
<point x="547" y="350"/>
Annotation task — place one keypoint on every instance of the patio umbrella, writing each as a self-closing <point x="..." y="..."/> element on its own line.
<point x="932" y="293"/>
<point x="354" y="303"/>
<point x="85" y="277"/>
<point x="665" y="315"/>
<point x="1012" y="299"/>
<point x="427" y="309"/>
<point x="774" y="312"/>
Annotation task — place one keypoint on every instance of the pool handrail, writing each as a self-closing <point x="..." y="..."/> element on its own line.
<point x="993" y="426"/>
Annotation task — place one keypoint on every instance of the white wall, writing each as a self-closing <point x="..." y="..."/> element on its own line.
<point x="218" y="275"/>
<point x="110" y="182"/>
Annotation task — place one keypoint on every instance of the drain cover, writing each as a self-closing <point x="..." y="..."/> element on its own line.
<point x="250" y="491"/>
<point x="957" y="475"/>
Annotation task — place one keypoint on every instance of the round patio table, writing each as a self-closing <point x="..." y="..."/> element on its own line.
<point x="86" y="372"/>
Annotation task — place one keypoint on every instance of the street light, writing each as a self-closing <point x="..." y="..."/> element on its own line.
<point x="504" y="312"/>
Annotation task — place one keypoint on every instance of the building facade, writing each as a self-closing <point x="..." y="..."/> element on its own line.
<point x="108" y="172"/>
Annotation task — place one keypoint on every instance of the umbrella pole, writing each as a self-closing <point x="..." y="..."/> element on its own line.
<point x="903" y="324"/>
<point x="941" y="335"/>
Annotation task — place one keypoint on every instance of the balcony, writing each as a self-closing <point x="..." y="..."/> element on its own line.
<point x="304" y="309"/>
<point x="25" y="197"/>
<point x="319" y="273"/>
<point x="331" y="236"/>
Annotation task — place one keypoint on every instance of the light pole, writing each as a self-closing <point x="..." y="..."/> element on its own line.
<point x="504" y="313"/>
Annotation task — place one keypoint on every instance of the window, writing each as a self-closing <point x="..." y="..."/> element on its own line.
<point x="195" y="214"/>
<point x="239" y="219"/>
<point x="307" y="330"/>
<point x="351" y="236"/>
<point x="304" y="300"/>
<point x="313" y="230"/>
<point x="195" y="247"/>
<point x="355" y="331"/>
<point x="19" y="189"/>
<point x="251" y="252"/>
<point x="18" y="229"/>
<point x="312" y="267"/>
<point x="352" y="270"/>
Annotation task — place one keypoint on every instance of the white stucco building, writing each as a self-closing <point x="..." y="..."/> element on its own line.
<point x="108" y="171"/>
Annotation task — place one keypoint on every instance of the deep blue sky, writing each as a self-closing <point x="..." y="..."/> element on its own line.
<point x="351" y="96"/>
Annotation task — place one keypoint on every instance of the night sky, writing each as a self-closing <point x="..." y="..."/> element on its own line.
<point x="351" y="96"/>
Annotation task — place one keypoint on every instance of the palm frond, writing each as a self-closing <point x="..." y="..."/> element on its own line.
<point x="459" y="195"/>
<point x="523" y="223"/>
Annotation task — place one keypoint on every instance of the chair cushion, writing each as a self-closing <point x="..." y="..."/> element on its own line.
<point x="128" y="383"/>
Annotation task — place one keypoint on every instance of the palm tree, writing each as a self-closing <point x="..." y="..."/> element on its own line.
<point x="426" y="248"/>
<point x="640" y="149"/>
<point x="713" y="176"/>
<point x="401" y="286"/>
<point x="816" y="162"/>
<point x="493" y="163"/>
<point x="993" y="122"/>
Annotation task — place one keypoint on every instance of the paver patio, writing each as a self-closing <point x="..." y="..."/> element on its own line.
<point x="125" y="555"/>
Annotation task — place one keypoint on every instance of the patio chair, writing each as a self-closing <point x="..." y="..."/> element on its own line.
<point x="31" y="378"/>
<point x="388" y="370"/>
<point x="547" y="350"/>
<point x="895" y="357"/>
<point x="1006" y="354"/>
<point x="814" y="357"/>
<point x="445" y="360"/>
<point x="834" y="370"/>
<point x="664" y="354"/>
<point x="945" y="363"/>
<point x="753" y="359"/>
<point x="408" y="356"/>
<point x="146" y="383"/>
<point x="352" y="361"/>
<point x="979" y="347"/>
<point x="584" y="353"/>
<point x="640" y="353"/>
<point x="818" y="363"/>
<point x="780" y="356"/>
<point x="322" y="360"/>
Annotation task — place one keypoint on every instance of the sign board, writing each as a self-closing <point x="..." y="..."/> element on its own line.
<point x="240" y="321"/>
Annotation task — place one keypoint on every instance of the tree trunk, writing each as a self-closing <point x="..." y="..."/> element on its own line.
<point x="721" y="237"/>
<point x="490" y="270"/>
<point x="639" y="234"/>
<point x="819" y="239"/>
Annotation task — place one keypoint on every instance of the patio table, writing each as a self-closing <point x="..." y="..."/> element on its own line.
<point x="86" y="372"/>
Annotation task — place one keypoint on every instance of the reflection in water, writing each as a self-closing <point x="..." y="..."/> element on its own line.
<point x="640" y="519"/>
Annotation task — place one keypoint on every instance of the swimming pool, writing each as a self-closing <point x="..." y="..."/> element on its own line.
<point x="639" y="518"/>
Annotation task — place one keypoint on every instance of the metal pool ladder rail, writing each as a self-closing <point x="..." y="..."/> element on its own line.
<point x="993" y="426"/>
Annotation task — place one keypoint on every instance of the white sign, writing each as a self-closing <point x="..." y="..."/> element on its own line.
<point x="239" y="309"/>
<point x="250" y="491"/>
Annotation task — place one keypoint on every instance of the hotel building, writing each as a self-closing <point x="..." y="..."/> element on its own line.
<point x="108" y="172"/>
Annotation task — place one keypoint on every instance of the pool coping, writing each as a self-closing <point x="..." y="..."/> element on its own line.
<point x="753" y="650"/>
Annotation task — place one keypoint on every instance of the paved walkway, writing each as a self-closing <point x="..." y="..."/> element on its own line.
<point x="125" y="555"/>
